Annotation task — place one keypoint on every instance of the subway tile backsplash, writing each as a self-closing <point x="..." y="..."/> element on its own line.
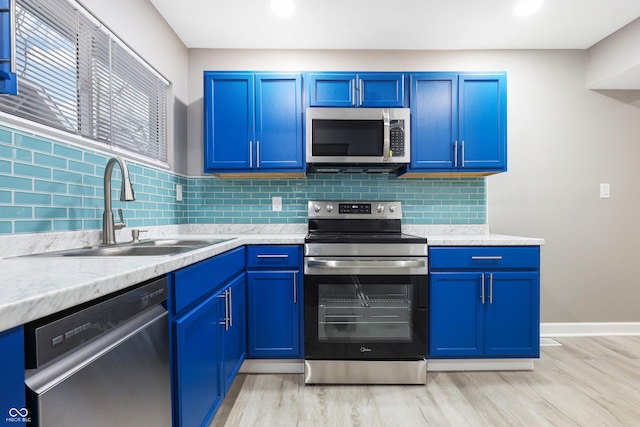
<point x="48" y="185"/>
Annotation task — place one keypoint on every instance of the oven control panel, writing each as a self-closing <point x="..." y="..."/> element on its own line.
<point x="385" y="209"/>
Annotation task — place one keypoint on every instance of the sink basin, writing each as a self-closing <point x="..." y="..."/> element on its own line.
<point x="179" y="242"/>
<point x="155" y="247"/>
<point x="123" y="251"/>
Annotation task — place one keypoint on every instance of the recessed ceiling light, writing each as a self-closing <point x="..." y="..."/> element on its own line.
<point x="283" y="8"/>
<point x="526" y="8"/>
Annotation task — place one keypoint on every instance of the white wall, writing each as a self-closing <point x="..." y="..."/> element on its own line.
<point x="563" y="140"/>
<point x="143" y="29"/>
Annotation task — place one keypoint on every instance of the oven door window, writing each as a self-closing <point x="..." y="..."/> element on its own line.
<point x="371" y="312"/>
<point x="339" y="138"/>
<point x="365" y="317"/>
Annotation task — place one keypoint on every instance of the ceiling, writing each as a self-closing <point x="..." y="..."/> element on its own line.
<point x="397" y="24"/>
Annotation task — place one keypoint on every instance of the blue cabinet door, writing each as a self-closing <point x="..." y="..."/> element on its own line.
<point x="198" y="386"/>
<point x="331" y="89"/>
<point x="252" y="122"/>
<point x="234" y="335"/>
<point x="229" y="135"/>
<point x="274" y="313"/>
<point x="458" y="122"/>
<point x="456" y="315"/>
<point x="278" y="122"/>
<point x="381" y="90"/>
<point x="513" y="314"/>
<point x="356" y="90"/>
<point x="12" y="391"/>
<point x="434" y="121"/>
<point x="483" y="125"/>
<point x="8" y="78"/>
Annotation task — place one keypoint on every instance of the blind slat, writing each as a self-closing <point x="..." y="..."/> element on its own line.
<point x="75" y="76"/>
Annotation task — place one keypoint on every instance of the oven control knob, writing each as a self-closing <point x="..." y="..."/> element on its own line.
<point x="393" y="208"/>
<point x="316" y="208"/>
<point x="380" y="208"/>
<point x="329" y="208"/>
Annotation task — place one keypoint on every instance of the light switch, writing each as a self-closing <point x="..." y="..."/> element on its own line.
<point x="276" y="204"/>
<point x="605" y="191"/>
<point x="178" y="193"/>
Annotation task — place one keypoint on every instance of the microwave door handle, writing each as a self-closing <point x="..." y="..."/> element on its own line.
<point x="386" y="145"/>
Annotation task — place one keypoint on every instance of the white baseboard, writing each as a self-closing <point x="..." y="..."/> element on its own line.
<point x="569" y="329"/>
<point x="442" y="365"/>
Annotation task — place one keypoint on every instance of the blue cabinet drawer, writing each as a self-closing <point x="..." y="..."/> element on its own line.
<point x="193" y="283"/>
<point x="269" y="256"/>
<point x="484" y="257"/>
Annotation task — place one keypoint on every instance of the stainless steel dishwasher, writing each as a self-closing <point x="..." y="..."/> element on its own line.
<point x="102" y="364"/>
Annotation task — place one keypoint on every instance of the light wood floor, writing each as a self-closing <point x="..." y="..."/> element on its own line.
<point x="589" y="381"/>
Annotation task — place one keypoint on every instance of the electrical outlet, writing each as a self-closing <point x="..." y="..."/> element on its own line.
<point x="178" y="193"/>
<point x="276" y="204"/>
<point x="605" y="191"/>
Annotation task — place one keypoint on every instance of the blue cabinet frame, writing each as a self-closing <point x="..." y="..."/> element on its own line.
<point x="484" y="302"/>
<point x="329" y="89"/>
<point x="8" y="77"/>
<point x="458" y="123"/>
<point x="253" y="122"/>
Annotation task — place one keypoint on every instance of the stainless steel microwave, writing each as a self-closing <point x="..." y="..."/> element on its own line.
<point x="364" y="139"/>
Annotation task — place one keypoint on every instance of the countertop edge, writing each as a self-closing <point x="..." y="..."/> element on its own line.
<point x="34" y="288"/>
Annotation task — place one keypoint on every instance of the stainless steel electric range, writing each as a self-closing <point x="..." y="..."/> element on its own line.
<point x="365" y="295"/>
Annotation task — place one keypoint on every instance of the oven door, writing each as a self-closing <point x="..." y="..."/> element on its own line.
<point x="360" y="308"/>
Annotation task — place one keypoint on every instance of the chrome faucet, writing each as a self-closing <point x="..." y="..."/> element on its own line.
<point x="126" y="195"/>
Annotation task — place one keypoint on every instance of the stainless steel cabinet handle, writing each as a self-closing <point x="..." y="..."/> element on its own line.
<point x="225" y="322"/>
<point x="490" y="288"/>
<point x="250" y="154"/>
<point x="272" y="256"/>
<point x="486" y="258"/>
<point x="462" y="149"/>
<point x="230" y="308"/>
<point x="455" y="154"/>
<point x="353" y="92"/>
<point x="295" y="287"/>
<point x="14" y="60"/>
<point x="361" y="95"/>
<point x="482" y="290"/>
<point x="257" y="154"/>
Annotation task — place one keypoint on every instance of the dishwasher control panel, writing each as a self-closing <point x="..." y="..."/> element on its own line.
<point x="51" y="337"/>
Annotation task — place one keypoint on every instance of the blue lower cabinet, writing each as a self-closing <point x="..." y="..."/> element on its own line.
<point x="484" y="302"/>
<point x="197" y="379"/>
<point x="12" y="391"/>
<point x="234" y="330"/>
<point x="275" y="290"/>
<point x="207" y="304"/>
<point x="274" y="309"/>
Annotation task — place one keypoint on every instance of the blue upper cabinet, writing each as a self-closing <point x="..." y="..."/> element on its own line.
<point x="8" y="79"/>
<point x="252" y="122"/>
<point x="458" y="123"/>
<point x="356" y="89"/>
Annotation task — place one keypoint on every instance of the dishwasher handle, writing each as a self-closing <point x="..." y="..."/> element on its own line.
<point x="42" y="379"/>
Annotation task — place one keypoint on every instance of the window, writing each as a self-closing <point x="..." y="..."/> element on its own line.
<point x="74" y="75"/>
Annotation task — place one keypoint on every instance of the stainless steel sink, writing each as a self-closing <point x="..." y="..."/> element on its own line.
<point x="154" y="247"/>
<point x="179" y="242"/>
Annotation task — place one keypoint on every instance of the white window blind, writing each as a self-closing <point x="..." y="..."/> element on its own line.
<point x="74" y="75"/>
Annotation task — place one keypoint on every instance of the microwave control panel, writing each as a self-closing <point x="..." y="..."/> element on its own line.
<point x="396" y="138"/>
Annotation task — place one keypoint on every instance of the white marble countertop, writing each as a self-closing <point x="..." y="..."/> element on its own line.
<point x="34" y="287"/>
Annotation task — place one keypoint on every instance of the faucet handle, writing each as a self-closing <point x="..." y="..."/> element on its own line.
<point x="120" y="224"/>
